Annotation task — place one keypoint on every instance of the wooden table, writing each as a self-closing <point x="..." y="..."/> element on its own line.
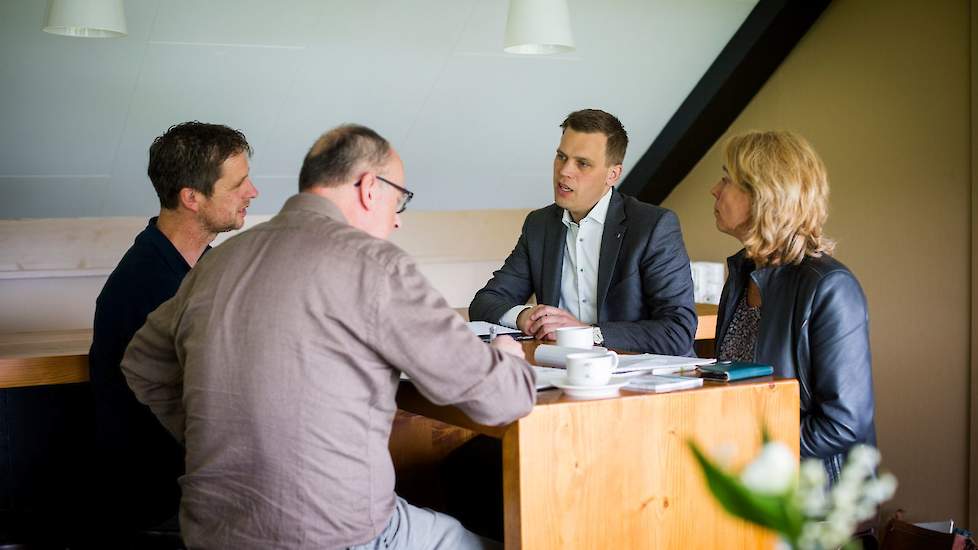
<point x="610" y="473"/>
<point x="706" y="328"/>
<point x="42" y="358"/>
<point x="613" y="473"/>
<point x="61" y="356"/>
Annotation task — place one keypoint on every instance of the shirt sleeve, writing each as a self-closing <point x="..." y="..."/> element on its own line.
<point x="153" y="370"/>
<point x="509" y="318"/>
<point x="510" y="286"/>
<point x="424" y="338"/>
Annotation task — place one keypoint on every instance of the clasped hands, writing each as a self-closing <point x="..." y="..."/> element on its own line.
<point x="541" y="321"/>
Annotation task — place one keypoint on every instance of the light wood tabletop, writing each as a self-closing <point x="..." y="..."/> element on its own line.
<point x="61" y="356"/>
<point x="42" y="358"/>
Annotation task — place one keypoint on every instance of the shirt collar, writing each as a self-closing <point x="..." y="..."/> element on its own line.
<point x="598" y="213"/>
<point x="314" y="203"/>
<point x="155" y="238"/>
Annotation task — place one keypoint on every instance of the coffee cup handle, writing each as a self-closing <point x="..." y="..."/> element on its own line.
<point x="614" y="362"/>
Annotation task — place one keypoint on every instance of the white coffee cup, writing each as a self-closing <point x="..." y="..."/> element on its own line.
<point x="591" y="368"/>
<point x="575" y="337"/>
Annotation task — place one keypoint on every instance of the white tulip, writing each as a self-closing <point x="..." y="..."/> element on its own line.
<point x="846" y="492"/>
<point x="773" y="472"/>
<point x="812" y="473"/>
<point x="863" y="458"/>
<point x="881" y="489"/>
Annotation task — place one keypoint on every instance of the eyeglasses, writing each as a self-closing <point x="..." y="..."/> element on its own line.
<point x="406" y="195"/>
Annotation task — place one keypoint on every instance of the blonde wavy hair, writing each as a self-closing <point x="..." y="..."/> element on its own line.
<point x="789" y="193"/>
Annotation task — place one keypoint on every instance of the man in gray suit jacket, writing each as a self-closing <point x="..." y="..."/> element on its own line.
<point x="596" y="257"/>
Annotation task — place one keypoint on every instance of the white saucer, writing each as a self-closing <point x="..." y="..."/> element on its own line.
<point x="590" y="392"/>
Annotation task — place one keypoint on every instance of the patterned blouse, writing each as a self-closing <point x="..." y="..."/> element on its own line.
<point x="741" y="337"/>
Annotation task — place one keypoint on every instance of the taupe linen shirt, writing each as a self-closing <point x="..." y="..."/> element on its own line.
<point x="277" y="363"/>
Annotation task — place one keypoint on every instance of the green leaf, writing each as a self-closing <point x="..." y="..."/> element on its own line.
<point x="775" y="512"/>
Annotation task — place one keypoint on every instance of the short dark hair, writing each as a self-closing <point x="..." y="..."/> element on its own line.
<point x="595" y="120"/>
<point x="191" y="155"/>
<point x="332" y="160"/>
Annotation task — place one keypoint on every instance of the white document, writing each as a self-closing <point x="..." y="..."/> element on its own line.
<point x="660" y="383"/>
<point x="548" y="355"/>
<point x="546" y="376"/>
<point x="659" y="364"/>
<point x="482" y="328"/>
<point x="556" y="356"/>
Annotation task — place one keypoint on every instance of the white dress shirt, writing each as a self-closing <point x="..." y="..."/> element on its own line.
<point x="579" y="276"/>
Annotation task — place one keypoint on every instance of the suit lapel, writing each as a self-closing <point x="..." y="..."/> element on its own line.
<point x="553" y="259"/>
<point x="611" y="239"/>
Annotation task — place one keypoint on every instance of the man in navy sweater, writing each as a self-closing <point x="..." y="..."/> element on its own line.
<point x="201" y="175"/>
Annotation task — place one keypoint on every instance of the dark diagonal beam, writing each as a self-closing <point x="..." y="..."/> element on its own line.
<point x="756" y="50"/>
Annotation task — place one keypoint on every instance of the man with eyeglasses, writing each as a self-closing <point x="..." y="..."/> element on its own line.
<point x="288" y="342"/>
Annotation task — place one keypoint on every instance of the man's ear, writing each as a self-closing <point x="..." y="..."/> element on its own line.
<point x="190" y="199"/>
<point x="613" y="174"/>
<point x="368" y="191"/>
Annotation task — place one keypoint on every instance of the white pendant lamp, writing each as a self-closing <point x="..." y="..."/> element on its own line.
<point x="86" y="18"/>
<point x="538" y="27"/>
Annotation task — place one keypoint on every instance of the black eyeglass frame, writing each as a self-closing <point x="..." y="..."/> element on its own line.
<point x="407" y="194"/>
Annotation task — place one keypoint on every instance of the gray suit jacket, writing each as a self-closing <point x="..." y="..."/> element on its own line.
<point x="645" y="289"/>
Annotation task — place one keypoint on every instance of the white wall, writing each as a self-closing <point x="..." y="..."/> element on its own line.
<point x="476" y="127"/>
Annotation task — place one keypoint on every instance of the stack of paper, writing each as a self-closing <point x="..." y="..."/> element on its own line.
<point x="546" y="376"/>
<point x="660" y="383"/>
<point x="548" y="355"/>
<point x="659" y="364"/>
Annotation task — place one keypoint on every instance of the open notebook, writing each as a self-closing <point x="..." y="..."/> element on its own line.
<point x="482" y="329"/>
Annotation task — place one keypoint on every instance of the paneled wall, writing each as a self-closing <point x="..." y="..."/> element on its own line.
<point x="51" y="270"/>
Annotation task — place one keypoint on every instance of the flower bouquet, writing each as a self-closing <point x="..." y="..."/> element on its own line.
<point x="798" y="503"/>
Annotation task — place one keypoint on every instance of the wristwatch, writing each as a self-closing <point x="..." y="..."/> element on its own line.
<point x="598" y="337"/>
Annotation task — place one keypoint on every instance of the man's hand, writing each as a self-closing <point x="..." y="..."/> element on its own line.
<point x="541" y="321"/>
<point x="508" y="345"/>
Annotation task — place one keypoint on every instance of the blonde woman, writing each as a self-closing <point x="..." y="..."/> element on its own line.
<point x="786" y="301"/>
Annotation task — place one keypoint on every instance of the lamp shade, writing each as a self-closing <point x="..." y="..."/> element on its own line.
<point x="86" y="18"/>
<point x="538" y="27"/>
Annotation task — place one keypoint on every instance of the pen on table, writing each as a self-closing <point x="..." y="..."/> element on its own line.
<point x="492" y="333"/>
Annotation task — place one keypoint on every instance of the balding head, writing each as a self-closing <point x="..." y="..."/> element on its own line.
<point x="361" y="174"/>
<point x="341" y="154"/>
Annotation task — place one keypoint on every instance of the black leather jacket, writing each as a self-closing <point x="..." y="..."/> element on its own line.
<point x="814" y="327"/>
